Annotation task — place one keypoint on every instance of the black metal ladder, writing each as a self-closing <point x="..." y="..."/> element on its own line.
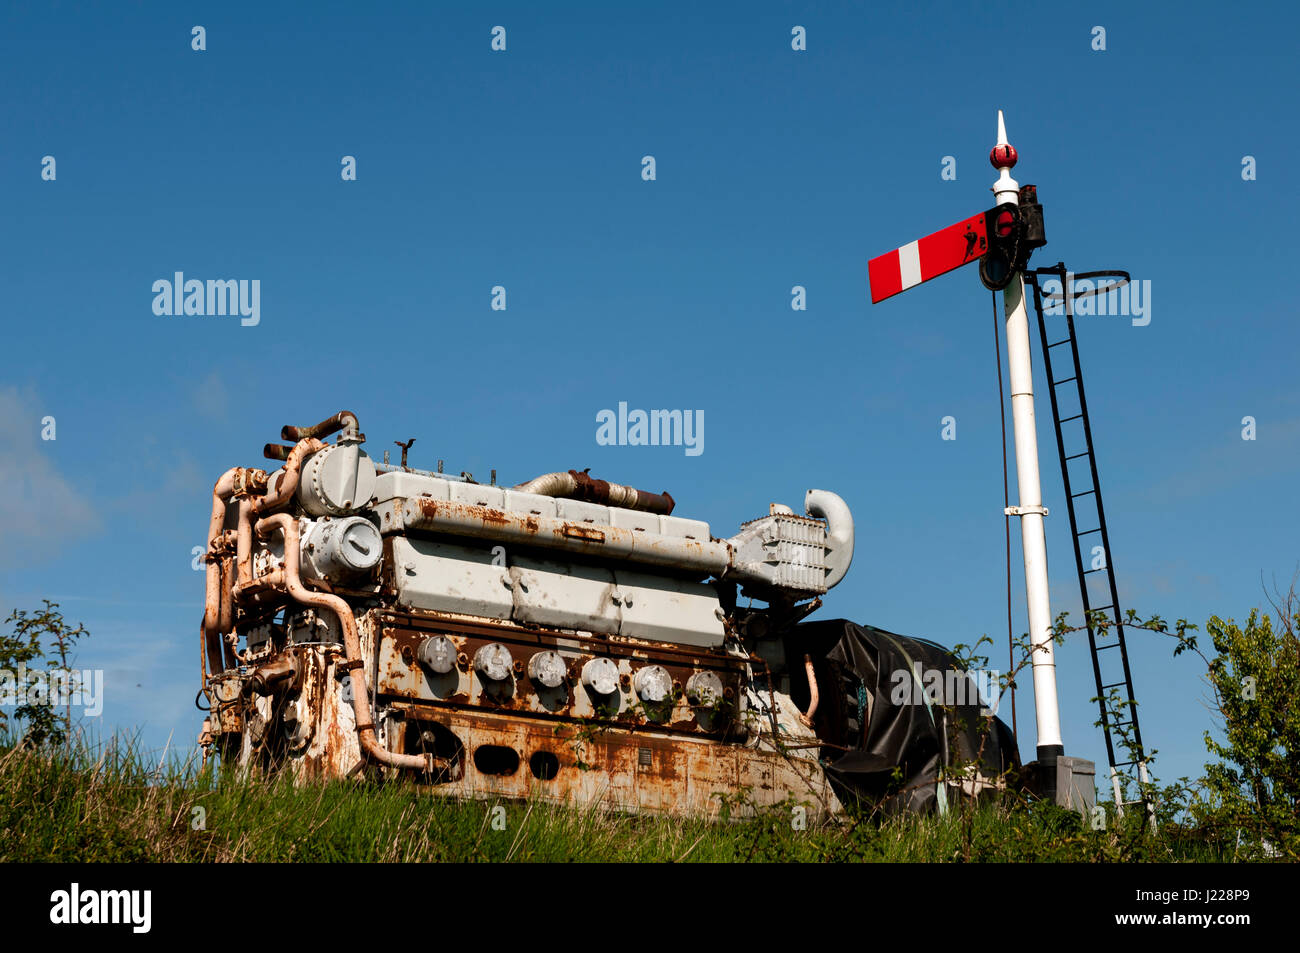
<point x="1110" y="663"/>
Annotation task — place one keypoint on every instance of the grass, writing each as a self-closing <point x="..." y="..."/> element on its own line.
<point x="106" y="802"/>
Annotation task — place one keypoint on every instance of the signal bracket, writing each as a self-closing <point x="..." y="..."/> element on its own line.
<point x="1022" y="510"/>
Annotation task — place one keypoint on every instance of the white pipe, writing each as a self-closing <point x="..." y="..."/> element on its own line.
<point x="823" y="504"/>
<point x="613" y="542"/>
<point x="1032" y="539"/>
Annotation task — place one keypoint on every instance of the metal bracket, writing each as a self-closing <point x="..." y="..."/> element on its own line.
<point x="1022" y="510"/>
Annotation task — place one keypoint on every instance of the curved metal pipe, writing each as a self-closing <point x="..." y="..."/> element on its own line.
<point x="290" y="474"/>
<point x="244" y="543"/>
<point x="226" y="617"/>
<point x="285" y="488"/>
<point x="823" y="504"/>
<point x="344" y="420"/>
<point x="581" y="486"/>
<point x="206" y="661"/>
<point x="224" y="574"/>
<point x="559" y="483"/>
<point x="813" y="696"/>
<point x="212" y="618"/>
<point x="369" y="741"/>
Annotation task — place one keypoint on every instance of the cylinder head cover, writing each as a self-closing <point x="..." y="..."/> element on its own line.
<point x="438" y="654"/>
<point x="652" y="683"/>
<point x="547" y="669"/>
<point x="336" y="480"/>
<point x="600" y="676"/>
<point x="493" y="662"/>
<point x="704" y="688"/>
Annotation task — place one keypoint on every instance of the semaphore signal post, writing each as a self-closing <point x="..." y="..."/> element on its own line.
<point x="1001" y="239"/>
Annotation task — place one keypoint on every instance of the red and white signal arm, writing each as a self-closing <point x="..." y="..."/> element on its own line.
<point x="928" y="257"/>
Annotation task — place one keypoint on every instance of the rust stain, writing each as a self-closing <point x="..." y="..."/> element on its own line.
<point x="588" y="534"/>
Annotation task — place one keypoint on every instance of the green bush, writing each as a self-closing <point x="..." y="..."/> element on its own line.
<point x="1253" y="791"/>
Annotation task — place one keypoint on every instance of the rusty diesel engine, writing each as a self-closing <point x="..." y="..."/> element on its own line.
<point x="567" y="638"/>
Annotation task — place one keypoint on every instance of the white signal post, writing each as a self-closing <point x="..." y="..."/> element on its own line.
<point x="1030" y="510"/>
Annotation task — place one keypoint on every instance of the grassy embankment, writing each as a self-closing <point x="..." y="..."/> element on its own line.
<point x="105" y="803"/>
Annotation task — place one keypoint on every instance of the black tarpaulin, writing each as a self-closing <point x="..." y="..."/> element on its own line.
<point x="924" y="713"/>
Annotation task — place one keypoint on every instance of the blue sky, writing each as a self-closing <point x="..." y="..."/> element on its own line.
<point x="522" y="168"/>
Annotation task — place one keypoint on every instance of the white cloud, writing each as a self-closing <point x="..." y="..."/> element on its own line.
<point x="211" y="398"/>
<point x="40" y="510"/>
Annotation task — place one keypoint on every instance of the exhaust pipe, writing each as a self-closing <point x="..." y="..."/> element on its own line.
<point x="580" y="486"/>
<point x="825" y="505"/>
<point x="344" y="420"/>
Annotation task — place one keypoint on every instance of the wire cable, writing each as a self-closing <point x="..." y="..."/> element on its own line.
<point x="1006" y="503"/>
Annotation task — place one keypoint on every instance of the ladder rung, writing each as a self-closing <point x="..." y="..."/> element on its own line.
<point x="1076" y="456"/>
<point x="1060" y="342"/>
<point x="1068" y="419"/>
<point x="1090" y="571"/>
<point x="1088" y="532"/>
<point x="1113" y="645"/>
<point x="1115" y="685"/>
<point x="1084" y="493"/>
<point x="1066" y="381"/>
